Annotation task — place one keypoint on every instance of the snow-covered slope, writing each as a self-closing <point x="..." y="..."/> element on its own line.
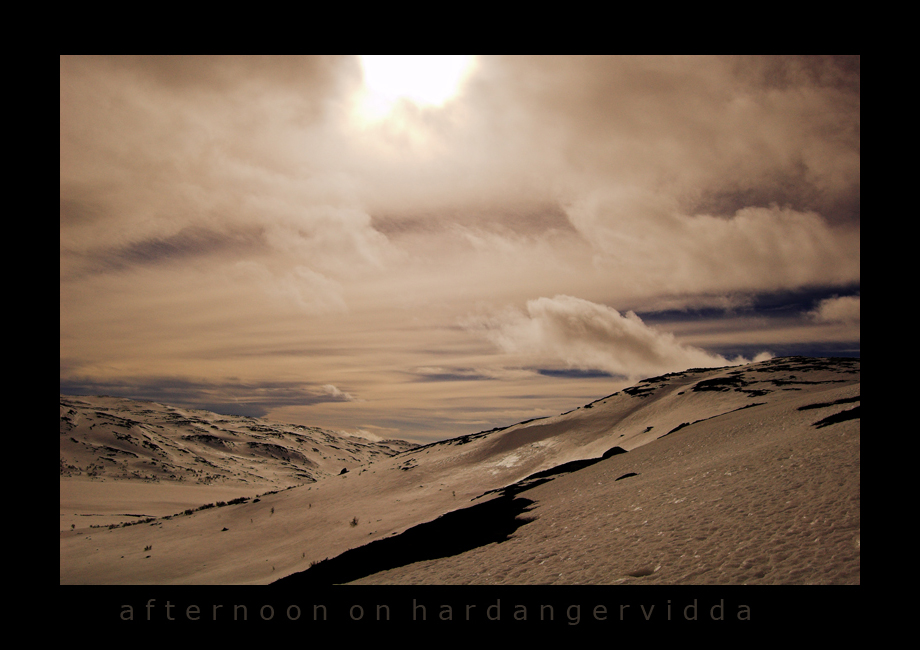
<point x="523" y="503"/>
<point x="123" y="460"/>
<point x="119" y="438"/>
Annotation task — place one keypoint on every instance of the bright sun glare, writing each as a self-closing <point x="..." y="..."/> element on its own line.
<point x="425" y="80"/>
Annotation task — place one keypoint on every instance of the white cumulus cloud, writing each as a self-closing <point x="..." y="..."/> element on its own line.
<point x="588" y="335"/>
<point x="839" y="309"/>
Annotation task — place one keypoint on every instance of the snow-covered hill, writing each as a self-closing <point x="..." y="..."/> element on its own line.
<point x="737" y="474"/>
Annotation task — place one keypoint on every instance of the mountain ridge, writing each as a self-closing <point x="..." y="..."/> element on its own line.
<point x="680" y="433"/>
<point x="124" y="439"/>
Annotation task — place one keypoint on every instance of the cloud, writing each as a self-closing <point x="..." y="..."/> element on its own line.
<point x="364" y="434"/>
<point x="838" y="309"/>
<point x="689" y="126"/>
<point x="432" y="373"/>
<point x="657" y="159"/>
<point x="337" y="395"/>
<point x="228" y="397"/>
<point x="649" y="243"/>
<point x="590" y="336"/>
<point x="336" y="240"/>
<point x="299" y="287"/>
<point x="227" y="216"/>
<point x="573" y="373"/>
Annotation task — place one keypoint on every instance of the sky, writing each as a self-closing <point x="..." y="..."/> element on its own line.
<point x="424" y="247"/>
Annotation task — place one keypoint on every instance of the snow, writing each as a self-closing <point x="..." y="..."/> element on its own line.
<point x="725" y="480"/>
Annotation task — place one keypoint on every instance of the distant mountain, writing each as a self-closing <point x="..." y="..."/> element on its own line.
<point x="118" y="438"/>
<point x="743" y="474"/>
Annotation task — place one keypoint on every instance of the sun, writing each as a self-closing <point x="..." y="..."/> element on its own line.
<point x="424" y="80"/>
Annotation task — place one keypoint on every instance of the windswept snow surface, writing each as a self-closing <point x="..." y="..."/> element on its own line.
<point x="743" y="474"/>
